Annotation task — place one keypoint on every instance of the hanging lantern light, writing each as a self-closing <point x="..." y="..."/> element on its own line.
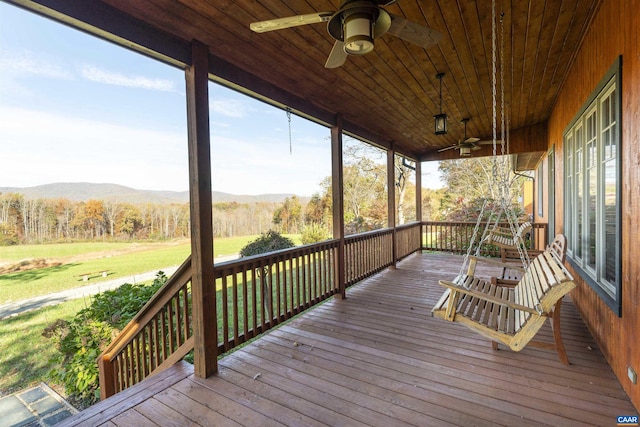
<point x="440" y="119"/>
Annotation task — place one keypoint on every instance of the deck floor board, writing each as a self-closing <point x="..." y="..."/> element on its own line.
<point x="379" y="359"/>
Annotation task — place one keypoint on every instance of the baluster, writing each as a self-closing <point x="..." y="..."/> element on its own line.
<point x="171" y="328"/>
<point x="278" y="282"/>
<point x="225" y="310"/>
<point x="234" y="284"/>
<point x="186" y="311"/>
<point x="178" y="326"/>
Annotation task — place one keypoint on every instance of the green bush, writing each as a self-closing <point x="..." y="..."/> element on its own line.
<point x="266" y="242"/>
<point x="81" y="340"/>
<point x="314" y="233"/>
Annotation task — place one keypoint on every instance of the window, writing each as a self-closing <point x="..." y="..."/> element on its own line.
<point x="592" y="196"/>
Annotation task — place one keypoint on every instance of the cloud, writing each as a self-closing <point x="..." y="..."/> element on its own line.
<point x="28" y="63"/>
<point x="96" y="74"/>
<point x="42" y="147"/>
<point x="228" y="107"/>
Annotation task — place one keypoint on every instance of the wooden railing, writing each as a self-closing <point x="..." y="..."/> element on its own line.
<point x="159" y="336"/>
<point x="257" y="293"/>
<point x="408" y="239"/>
<point x="455" y="237"/>
<point x="254" y="294"/>
<point x="366" y="254"/>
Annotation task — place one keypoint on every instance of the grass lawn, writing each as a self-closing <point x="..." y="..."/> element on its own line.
<point x="98" y="257"/>
<point x="24" y="352"/>
<point x="30" y="283"/>
<point x="59" y="250"/>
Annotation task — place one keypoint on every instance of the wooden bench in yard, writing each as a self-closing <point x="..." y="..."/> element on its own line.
<point x="87" y="276"/>
<point x="511" y="313"/>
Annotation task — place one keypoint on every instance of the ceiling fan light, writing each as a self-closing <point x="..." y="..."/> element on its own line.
<point x="358" y="34"/>
<point x="440" y="124"/>
<point x="465" y="151"/>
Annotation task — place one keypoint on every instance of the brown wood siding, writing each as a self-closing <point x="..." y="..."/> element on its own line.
<point x="613" y="32"/>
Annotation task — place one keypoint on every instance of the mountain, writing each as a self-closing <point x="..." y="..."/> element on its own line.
<point x="83" y="191"/>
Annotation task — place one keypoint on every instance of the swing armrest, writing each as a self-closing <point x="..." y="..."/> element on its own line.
<point x="482" y="296"/>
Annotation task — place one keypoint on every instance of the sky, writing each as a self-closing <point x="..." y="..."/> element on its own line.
<point x="75" y="108"/>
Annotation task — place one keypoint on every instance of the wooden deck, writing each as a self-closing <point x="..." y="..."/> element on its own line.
<point x="379" y="359"/>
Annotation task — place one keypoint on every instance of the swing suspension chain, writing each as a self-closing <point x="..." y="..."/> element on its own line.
<point x="494" y="170"/>
<point x="288" y="110"/>
<point x="494" y="166"/>
<point x="506" y="185"/>
<point x="500" y="186"/>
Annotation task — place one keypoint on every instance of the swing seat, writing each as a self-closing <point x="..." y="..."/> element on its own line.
<point x="502" y="236"/>
<point x="512" y="263"/>
<point x="507" y="314"/>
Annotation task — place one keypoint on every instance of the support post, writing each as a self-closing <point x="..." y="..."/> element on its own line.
<point x="418" y="191"/>
<point x="337" y="193"/>
<point x="391" y="201"/>
<point x="419" y="201"/>
<point x="203" y="280"/>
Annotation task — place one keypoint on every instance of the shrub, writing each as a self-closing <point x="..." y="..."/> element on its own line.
<point x="81" y="340"/>
<point x="314" y="233"/>
<point x="266" y="242"/>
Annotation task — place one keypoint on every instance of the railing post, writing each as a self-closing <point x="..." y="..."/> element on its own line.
<point x="337" y="190"/>
<point x="203" y="288"/>
<point x="107" y="377"/>
<point x="419" y="193"/>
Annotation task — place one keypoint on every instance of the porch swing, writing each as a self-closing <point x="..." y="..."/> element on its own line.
<point x="507" y="311"/>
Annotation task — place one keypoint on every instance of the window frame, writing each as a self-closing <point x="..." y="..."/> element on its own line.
<point x="540" y="194"/>
<point x="578" y="195"/>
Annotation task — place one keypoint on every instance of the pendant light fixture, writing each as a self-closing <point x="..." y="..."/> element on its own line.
<point x="440" y="119"/>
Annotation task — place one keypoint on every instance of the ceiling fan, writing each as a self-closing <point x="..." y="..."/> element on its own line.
<point x="467" y="145"/>
<point x="355" y="26"/>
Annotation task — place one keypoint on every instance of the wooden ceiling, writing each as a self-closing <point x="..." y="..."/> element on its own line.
<point x="390" y="95"/>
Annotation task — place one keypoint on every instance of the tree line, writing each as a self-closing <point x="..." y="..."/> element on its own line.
<point x="24" y="220"/>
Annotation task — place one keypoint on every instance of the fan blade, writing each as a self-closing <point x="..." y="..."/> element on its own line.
<point x="489" y="142"/>
<point x="448" y="148"/>
<point x="413" y="33"/>
<point x="291" y="21"/>
<point x="337" y="57"/>
<point x="471" y="140"/>
<point x="475" y="147"/>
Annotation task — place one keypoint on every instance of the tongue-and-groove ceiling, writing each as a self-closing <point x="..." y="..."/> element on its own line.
<point x="390" y="95"/>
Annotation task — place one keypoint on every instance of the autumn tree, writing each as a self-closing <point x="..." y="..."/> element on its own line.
<point x="404" y="173"/>
<point x="364" y="189"/>
<point x="111" y="211"/>
<point x="470" y="182"/>
<point x="288" y="216"/>
<point x="128" y="220"/>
